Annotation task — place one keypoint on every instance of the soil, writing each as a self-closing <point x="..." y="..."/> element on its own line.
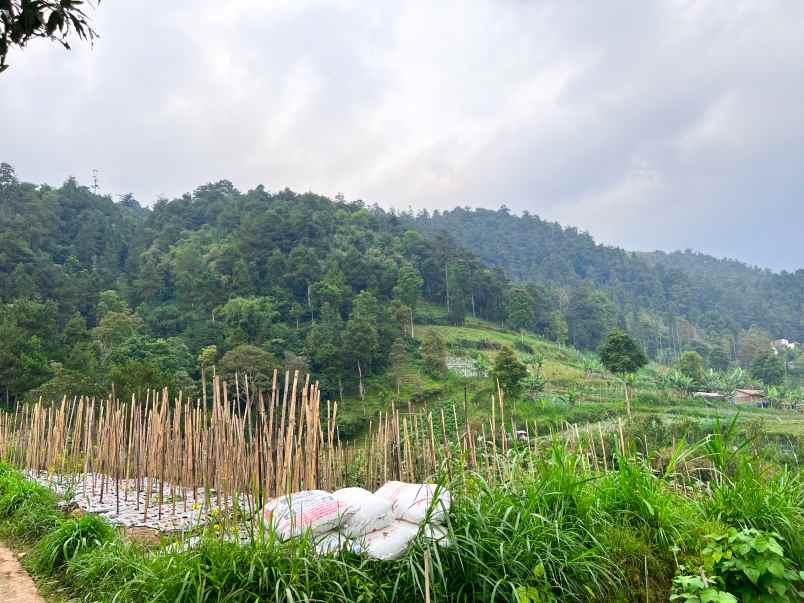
<point x="16" y="586"/>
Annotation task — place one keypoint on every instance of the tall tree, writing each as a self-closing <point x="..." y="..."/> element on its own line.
<point x="768" y="367"/>
<point x="622" y="356"/>
<point x="590" y="315"/>
<point x="434" y="354"/>
<point x="519" y="309"/>
<point x="252" y="361"/>
<point x="408" y="285"/>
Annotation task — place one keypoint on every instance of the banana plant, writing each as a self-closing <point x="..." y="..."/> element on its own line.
<point x="714" y="381"/>
<point x="592" y="366"/>
<point x="774" y="395"/>
<point x="682" y="383"/>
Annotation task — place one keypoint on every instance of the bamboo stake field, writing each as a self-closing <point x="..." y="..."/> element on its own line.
<point x="168" y="462"/>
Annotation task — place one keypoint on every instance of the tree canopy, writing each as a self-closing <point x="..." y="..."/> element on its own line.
<point x="89" y="283"/>
<point x="768" y="367"/>
<point x="620" y="354"/>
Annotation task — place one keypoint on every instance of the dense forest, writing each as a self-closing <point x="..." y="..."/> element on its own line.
<point x="96" y="292"/>
<point x="667" y="300"/>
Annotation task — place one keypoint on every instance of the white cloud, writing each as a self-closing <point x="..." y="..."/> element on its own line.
<point x="662" y="124"/>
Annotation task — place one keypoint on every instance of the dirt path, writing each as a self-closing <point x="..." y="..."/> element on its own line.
<point x="16" y="586"/>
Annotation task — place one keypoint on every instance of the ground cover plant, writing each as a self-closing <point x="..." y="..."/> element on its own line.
<point x="544" y="523"/>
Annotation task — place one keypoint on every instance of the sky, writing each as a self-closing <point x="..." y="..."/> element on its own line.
<point x="653" y="125"/>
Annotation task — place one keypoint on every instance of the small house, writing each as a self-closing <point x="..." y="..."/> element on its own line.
<point x="753" y="397"/>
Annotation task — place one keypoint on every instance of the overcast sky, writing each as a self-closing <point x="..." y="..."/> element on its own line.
<point x="650" y="124"/>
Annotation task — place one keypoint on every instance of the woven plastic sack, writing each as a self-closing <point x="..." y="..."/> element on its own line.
<point x="362" y="512"/>
<point x="437" y="534"/>
<point x="329" y="543"/>
<point x="313" y="510"/>
<point x="388" y="543"/>
<point x="416" y="502"/>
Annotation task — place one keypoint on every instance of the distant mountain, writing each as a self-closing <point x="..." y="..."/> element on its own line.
<point x="714" y="294"/>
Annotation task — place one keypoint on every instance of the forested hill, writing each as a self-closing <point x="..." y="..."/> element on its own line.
<point x="716" y="295"/>
<point x="95" y="291"/>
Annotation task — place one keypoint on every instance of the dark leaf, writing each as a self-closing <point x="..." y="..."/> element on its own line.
<point x="52" y="22"/>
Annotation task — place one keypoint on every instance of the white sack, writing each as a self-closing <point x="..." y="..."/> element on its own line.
<point x="388" y="543"/>
<point x="412" y="502"/>
<point x="437" y="534"/>
<point x="313" y="510"/>
<point x="362" y="511"/>
<point x="329" y="542"/>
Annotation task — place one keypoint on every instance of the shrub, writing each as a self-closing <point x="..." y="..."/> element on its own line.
<point x="746" y="563"/>
<point x="699" y="589"/>
<point x="764" y="500"/>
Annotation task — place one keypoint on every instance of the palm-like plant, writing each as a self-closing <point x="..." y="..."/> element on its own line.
<point x="774" y="395"/>
<point x="534" y="385"/>
<point x="737" y="377"/>
<point x="592" y="366"/>
<point x="680" y="382"/>
<point x="714" y="381"/>
<point x="482" y="365"/>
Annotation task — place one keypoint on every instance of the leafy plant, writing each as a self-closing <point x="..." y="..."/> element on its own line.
<point x="538" y="593"/>
<point x="700" y="589"/>
<point x="723" y="447"/>
<point x="752" y="565"/>
<point x="534" y="385"/>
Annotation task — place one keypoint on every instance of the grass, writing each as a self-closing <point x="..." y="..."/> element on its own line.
<point x="69" y="539"/>
<point x="549" y="529"/>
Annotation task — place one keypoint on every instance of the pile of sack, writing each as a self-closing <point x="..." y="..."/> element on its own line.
<point x="381" y="524"/>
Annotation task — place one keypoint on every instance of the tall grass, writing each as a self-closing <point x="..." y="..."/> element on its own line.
<point x="69" y="539"/>
<point x="548" y="527"/>
<point x="27" y="510"/>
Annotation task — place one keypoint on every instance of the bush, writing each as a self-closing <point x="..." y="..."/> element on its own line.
<point x="763" y="500"/>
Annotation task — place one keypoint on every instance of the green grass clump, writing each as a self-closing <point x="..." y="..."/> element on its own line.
<point x="27" y="510"/>
<point x="634" y="496"/>
<point x="70" y="538"/>
<point x="764" y="499"/>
